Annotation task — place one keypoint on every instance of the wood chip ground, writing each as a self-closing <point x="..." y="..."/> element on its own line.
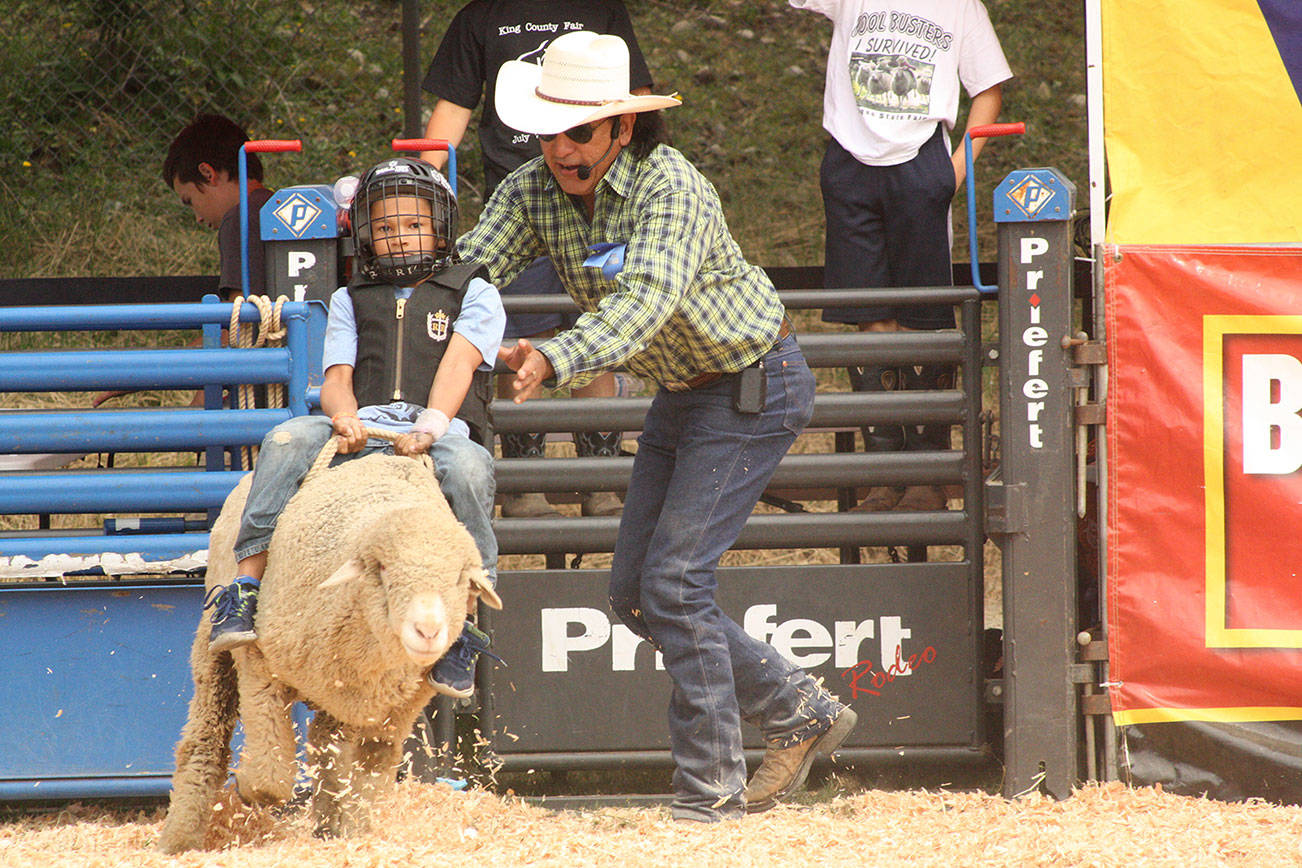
<point x="1106" y="825"/>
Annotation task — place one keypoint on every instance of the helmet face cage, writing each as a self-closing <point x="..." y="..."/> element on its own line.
<point x="392" y="199"/>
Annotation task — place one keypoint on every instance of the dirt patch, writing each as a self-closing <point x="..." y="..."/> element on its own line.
<point x="422" y="824"/>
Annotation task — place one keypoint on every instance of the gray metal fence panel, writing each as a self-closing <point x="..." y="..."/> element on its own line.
<point x="560" y="640"/>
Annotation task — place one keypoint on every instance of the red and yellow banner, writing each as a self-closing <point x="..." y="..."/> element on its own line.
<point x="1205" y="483"/>
<point x="1203" y="120"/>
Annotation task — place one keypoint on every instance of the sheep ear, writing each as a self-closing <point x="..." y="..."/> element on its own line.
<point x="482" y="589"/>
<point x="351" y="570"/>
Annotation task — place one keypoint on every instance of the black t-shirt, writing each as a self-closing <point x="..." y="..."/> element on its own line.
<point x="487" y="33"/>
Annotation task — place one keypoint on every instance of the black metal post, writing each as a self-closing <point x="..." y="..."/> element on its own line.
<point x="1036" y="519"/>
<point x="411" y="72"/>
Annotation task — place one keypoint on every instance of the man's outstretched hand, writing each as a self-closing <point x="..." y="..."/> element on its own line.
<point x="531" y="369"/>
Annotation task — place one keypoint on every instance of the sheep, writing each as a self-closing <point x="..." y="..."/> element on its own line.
<point x="369" y="579"/>
<point x="861" y="78"/>
<point x="903" y="81"/>
<point x="879" y="83"/>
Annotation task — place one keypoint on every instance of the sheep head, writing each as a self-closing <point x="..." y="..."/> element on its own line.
<point x="429" y="573"/>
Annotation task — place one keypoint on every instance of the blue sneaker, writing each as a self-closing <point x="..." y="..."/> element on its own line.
<point x="233" y="606"/>
<point x="454" y="674"/>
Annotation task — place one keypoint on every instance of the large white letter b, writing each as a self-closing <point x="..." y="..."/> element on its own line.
<point x="1262" y="416"/>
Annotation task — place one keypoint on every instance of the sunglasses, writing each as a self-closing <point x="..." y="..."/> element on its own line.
<point x="580" y="135"/>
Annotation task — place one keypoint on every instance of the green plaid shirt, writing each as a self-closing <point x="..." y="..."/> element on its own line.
<point x="686" y="301"/>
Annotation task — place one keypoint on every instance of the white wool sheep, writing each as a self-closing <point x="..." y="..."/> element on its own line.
<point x="369" y="578"/>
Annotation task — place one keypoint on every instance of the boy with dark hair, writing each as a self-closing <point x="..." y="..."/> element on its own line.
<point x="202" y="167"/>
<point x="409" y="348"/>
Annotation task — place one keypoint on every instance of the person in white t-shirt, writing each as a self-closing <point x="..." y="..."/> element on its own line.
<point x="894" y="72"/>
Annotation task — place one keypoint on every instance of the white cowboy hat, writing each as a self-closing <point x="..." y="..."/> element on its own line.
<point x="583" y="77"/>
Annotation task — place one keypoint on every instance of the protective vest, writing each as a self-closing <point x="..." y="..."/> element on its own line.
<point x="400" y="343"/>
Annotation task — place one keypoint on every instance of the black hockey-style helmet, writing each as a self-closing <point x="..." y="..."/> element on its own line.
<point x="402" y="177"/>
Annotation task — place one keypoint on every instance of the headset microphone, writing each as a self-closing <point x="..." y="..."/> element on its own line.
<point x="585" y="172"/>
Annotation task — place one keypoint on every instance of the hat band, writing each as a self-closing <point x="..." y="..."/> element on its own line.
<point x="595" y="102"/>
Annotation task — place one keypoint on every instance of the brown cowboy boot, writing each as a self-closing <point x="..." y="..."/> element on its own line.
<point x="592" y="443"/>
<point x="528" y="504"/>
<point x="783" y="770"/>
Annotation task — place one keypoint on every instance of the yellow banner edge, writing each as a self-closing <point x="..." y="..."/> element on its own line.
<point x="1241" y="714"/>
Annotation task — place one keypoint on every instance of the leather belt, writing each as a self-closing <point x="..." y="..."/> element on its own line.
<point x="706" y="379"/>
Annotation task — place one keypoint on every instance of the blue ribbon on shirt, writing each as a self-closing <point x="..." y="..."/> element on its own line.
<point x="608" y="256"/>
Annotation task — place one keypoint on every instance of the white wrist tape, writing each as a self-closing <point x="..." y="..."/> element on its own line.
<point x="432" y="422"/>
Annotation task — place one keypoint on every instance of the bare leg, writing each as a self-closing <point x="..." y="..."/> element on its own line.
<point x="253" y="566"/>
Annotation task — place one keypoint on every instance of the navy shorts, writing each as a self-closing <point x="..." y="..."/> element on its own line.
<point x="889" y="226"/>
<point x="540" y="278"/>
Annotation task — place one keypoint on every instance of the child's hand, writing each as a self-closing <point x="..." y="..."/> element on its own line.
<point x="413" y="444"/>
<point x="431" y="425"/>
<point x="350" y="430"/>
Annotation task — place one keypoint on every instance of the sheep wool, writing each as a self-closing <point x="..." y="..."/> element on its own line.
<point x="369" y="578"/>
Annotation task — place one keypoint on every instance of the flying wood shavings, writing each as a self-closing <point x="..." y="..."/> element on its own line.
<point x="1105" y="826"/>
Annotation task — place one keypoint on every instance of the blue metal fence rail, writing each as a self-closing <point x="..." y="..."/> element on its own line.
<point x="88" y="658"/>
<point x="157" y="489"/>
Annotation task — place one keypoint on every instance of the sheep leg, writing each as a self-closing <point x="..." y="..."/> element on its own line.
<point x="373" y="770"/>
<point x="329" y="755"/>
<point x="267" y="762"/>
<point x="350" y="771"/>
<point x="203" y="754"/>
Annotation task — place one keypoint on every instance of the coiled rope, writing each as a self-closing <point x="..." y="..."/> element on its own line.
<point x="268" y="331"/>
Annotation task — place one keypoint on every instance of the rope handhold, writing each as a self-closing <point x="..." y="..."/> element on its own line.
<point x="331" y="448"/>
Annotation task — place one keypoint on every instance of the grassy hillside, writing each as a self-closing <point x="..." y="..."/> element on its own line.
<point x="751" y="75"/>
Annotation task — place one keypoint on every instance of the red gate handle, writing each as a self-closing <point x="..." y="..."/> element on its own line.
<point x="273" y="146"/>
<point x="420" y="145"/>
<point x="433" y="145"/>
<point x="989" y="131"/>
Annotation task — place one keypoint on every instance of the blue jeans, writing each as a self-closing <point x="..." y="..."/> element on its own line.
<point x="464" y="470"/>
<point x="700" y="469"/>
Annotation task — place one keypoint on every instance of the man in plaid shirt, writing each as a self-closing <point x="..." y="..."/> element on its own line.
<point x="639" y="240"/>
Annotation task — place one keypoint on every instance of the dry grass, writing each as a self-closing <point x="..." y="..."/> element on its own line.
<point x="1107" y="825"/>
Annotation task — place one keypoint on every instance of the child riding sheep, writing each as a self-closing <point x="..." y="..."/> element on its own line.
<point x="408" y="348"/>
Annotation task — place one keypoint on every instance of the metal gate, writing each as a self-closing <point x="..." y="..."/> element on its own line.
<point x="95" y="631"/>
<point x="902" y="639"/>
<point x="902" y="642"/>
